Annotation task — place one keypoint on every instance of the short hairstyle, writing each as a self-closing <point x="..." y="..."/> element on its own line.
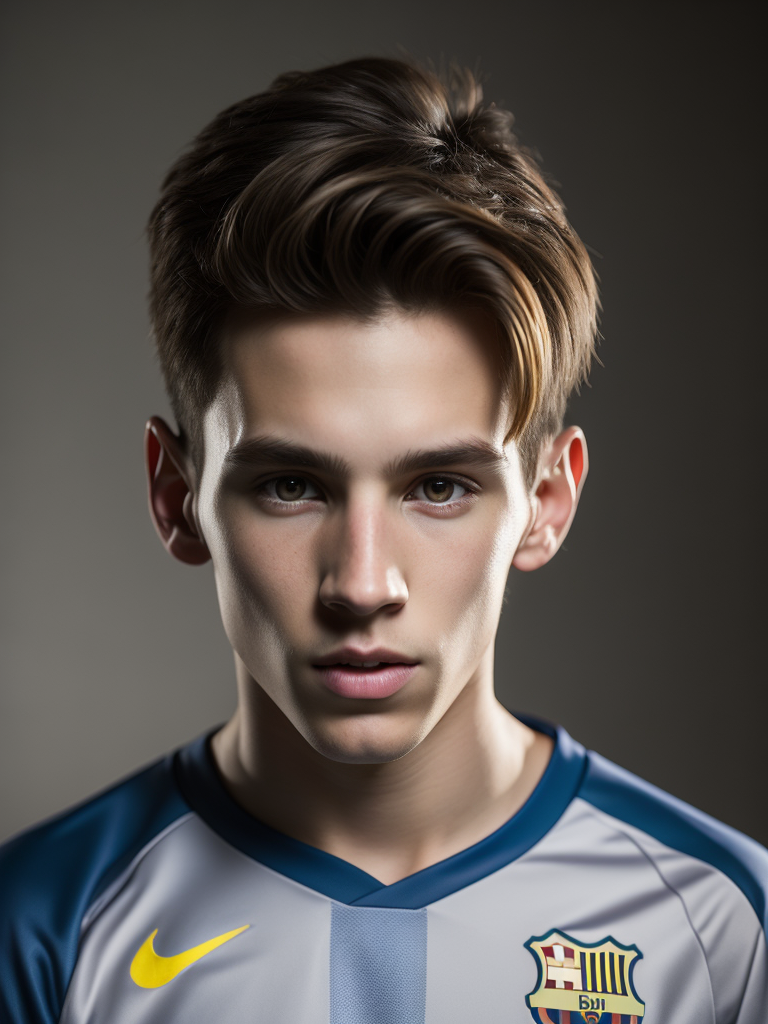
<point x="355" y="189"/>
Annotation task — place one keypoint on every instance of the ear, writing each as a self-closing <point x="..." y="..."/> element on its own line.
<point x="556" y="499"/>
<point x="171" y="495"/>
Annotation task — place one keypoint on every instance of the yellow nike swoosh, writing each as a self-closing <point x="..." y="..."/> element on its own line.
<point x="150" y="970"/>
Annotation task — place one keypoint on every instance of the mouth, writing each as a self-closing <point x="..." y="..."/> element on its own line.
<point x="365" y="674"/>
<point x="360" y="658"/>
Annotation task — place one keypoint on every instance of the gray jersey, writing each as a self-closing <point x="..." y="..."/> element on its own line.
<point x="603" y="900"/>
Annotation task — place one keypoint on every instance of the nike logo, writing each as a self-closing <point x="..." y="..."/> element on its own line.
<point x="150" y="970"/>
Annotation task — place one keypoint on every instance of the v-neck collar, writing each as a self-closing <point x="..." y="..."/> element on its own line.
<point x="202" y="788"/>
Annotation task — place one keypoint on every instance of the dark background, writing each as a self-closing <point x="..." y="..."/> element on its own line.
<point x="644" y="637"/>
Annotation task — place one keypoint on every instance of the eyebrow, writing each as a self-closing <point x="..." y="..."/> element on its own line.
<point x="277" y="451"/>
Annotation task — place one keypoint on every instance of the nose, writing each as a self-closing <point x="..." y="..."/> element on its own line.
<point x="362" y="563"/>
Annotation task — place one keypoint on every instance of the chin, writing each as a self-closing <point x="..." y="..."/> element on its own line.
<point x="363" y="740"/>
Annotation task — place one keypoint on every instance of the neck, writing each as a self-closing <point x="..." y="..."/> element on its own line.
<point x="471" y="773"/>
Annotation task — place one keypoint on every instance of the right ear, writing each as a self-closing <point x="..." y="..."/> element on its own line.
<point x="171" y="494"/>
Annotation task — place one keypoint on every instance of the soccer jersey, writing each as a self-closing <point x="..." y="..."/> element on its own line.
<point x="602" y="900"/>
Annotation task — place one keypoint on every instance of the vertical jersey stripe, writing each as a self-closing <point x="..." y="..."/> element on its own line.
<point x="378" y="965"/>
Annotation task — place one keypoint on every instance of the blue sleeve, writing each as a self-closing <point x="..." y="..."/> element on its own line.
<point x="51" y="874"/>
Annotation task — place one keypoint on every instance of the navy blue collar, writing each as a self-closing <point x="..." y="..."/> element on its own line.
<point x="201" y="787"/>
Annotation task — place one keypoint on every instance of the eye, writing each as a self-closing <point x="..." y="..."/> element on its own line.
<point x="289" y="490"/>
<point x="441" y="490"/>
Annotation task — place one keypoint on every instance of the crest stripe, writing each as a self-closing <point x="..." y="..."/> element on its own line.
<point x="583" y="979"/>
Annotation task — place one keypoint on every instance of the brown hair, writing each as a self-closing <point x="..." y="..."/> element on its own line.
<point x="355" y="188"/>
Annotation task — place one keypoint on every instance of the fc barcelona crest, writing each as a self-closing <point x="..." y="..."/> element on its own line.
<point x="583" y="983"/>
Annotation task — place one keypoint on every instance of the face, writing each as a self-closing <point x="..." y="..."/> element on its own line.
<point x="359" y="504"/>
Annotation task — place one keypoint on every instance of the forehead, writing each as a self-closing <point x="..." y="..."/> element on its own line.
<point x="364" y="390"/>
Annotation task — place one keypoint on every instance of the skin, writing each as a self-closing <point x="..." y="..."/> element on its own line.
<point x="368" y="555"/>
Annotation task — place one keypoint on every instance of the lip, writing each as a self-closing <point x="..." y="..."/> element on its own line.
<point x="365" y="683"/>
<point x="361" y="654"/>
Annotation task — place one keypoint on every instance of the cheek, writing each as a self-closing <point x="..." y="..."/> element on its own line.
<point x="462" y="575"/>
<point x="264" y="583"/>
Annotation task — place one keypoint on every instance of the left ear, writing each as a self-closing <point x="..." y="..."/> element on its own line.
<point x="556" y="499"/>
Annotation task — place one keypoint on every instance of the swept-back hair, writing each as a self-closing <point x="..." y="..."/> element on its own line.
<point x="358" y="188"/>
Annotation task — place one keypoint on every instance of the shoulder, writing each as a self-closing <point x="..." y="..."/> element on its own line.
<point x="676" y="825"/>
<point x="51" y="874"/>
<point x="719" y="875"/>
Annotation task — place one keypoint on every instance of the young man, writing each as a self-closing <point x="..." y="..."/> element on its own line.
<point x="370" y="311"/>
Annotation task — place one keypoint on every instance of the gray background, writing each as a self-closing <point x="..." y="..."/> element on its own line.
<point x="644" y="635"/>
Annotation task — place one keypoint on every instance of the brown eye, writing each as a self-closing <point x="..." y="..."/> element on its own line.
<point x="290" y="488"/>
<point x="438" y="489"/>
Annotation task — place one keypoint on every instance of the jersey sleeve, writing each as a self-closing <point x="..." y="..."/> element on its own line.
<point x="50" y="876"/>
<point x="719" y="874"/>
<point x="754" y="1004"/>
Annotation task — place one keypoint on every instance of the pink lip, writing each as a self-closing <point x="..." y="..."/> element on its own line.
<point x="366" y="683"/>
<point x="360" y="654"/>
